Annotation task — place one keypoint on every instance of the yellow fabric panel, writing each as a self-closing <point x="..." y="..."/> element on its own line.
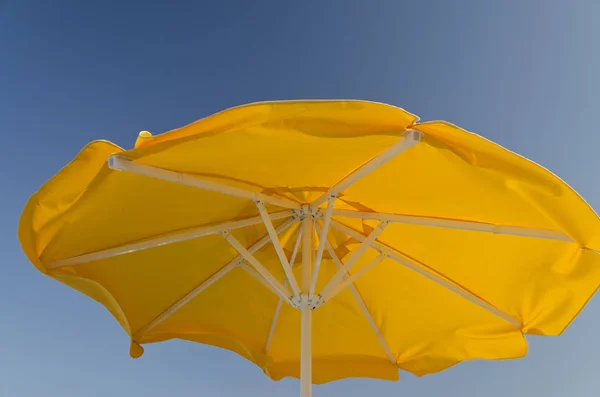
<point x="43" y="215"/>
<point x="323" y="118"/>
<point x="434" y="181"/>
<point x="238" y="309"/>
<point x="345" y="324"/>
<point x="147" y="282"/>
<point x="236" y="314"/>
<point x="326" y="140"/>
<point x="543" y="283"/>
<point x="542" y="189"/>
<point x="299" y="150"/>
<point x="103" y="215"/>
<point x="429" y="327"/>
<point x="271" y="159"/>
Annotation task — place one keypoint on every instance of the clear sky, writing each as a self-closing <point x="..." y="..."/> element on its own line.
<point x="523" y="73"/>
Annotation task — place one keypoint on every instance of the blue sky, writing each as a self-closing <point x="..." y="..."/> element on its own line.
<point x="521" y="73"/>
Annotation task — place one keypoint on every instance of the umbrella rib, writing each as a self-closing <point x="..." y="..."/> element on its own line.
<point x="424" y="270"/>
<point x="274" y="322"/>
<point x="164" y="240"/>
<point x="410" y="139"/>
<point x="350" y="280"/>
<point x="278" y="308"/>
<point x="251" y="271"/>
<point x="460" y="224"/>
<point x="322" y="238"/>
<point x="366" y="243"/>
<point x="296" y="245"/>
<point x="279" y="249"/>
<point x="118" y="163"/>
<point x="361" y="303"/>
<point x="259" y="267"/>
<point x="209" y="281"/>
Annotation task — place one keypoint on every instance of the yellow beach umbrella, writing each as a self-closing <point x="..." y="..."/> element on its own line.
<point x="320" y="240"/>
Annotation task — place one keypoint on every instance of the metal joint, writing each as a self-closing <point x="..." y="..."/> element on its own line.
<point x="307" y="211"/>
<point x="297" y="214"/>
<point x="295" y="300"/>
<point x="415" y="135"/>
<point x="316" y="302"/>
<point x="318" y="214"/>
<point x="313" y="302"/>
<point x="238" y="262"/>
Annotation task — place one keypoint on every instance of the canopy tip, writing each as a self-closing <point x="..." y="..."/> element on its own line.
<point x="143" y="138"/>
<point x="135" y="350"/>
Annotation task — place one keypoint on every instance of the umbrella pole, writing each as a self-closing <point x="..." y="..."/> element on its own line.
<point x="306" y="353"/>
<point x="306" y="310"/>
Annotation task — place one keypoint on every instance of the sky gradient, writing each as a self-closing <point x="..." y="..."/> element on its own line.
<point x="521" y="73"/>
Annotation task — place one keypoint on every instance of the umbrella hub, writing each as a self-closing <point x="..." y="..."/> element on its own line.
<point x="312" y="301"/>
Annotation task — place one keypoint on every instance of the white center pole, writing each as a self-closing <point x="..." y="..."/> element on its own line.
<point x="305" y="310"/>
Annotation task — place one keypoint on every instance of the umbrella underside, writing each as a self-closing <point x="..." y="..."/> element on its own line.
<point x="406" y="245"/>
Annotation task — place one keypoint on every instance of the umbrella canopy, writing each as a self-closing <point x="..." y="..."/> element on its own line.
<point x="399" y="244"/>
